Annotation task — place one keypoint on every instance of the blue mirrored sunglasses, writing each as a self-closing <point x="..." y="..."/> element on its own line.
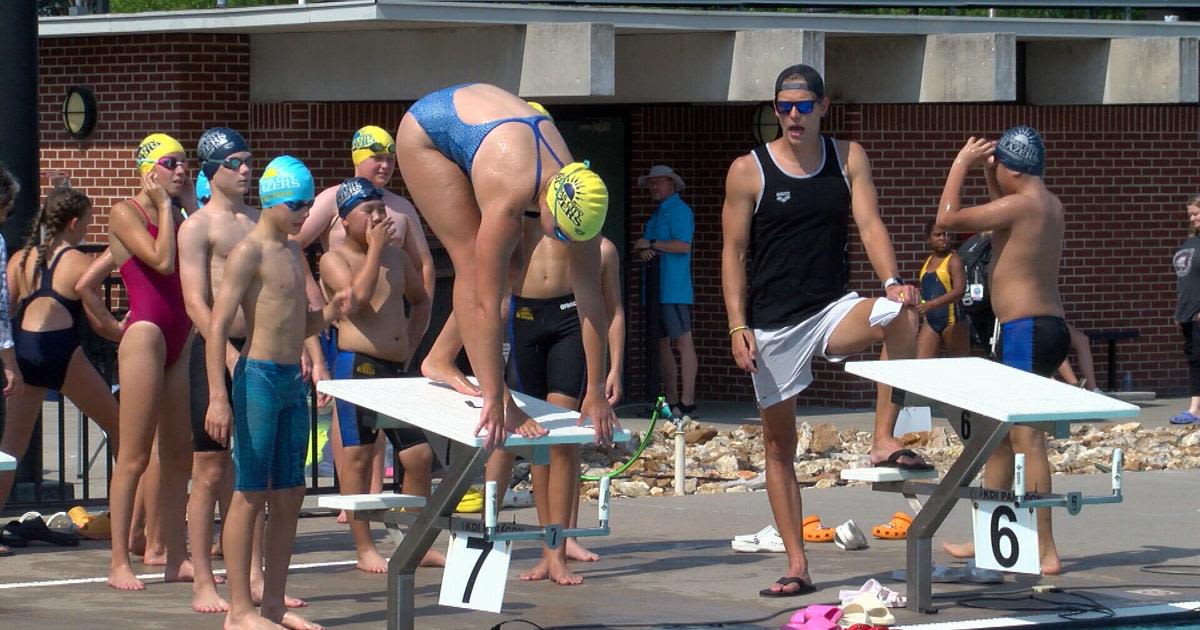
<point x="785" y="107"/>
<point x="298" y="206"/>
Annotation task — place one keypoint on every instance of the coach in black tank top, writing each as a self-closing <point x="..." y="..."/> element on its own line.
<point x="785" y="273"/>
<point x="799" y="257"/>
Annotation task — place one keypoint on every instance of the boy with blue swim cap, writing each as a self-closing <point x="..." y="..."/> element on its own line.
<point x="267" y="414"/>
<point x="1027" y="225"/>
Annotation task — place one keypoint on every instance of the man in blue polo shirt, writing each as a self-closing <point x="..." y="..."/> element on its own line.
<point x="668" y="236"/>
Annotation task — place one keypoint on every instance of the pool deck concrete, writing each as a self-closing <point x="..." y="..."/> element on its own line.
<point x="668" y="561"/>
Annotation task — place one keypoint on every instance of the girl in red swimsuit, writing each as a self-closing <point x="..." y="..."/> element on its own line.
<point x="152" y="361"/>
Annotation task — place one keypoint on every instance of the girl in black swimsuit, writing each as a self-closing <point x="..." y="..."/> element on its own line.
<point x="42" y="278"/>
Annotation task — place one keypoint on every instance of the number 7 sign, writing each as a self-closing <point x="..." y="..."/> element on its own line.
<point x="476" y="573"/>
<point x="1006" y="537"/>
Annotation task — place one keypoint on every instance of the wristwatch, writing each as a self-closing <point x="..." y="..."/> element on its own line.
<point x="652" y="242"/>
<point x="894" y="280"/>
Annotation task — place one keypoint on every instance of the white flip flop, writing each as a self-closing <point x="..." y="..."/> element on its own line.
<point x="848" y="537"/>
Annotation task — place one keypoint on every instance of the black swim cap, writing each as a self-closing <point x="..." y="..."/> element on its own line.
<point x="811" y="80"/>
<point x="1021" y="149"/>
<point x="216" y="144"/>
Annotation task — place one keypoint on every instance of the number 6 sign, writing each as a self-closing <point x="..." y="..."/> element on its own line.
<point x="1006" y="537"/>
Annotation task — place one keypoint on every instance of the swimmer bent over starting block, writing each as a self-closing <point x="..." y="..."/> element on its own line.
<point x="475" y="159"/>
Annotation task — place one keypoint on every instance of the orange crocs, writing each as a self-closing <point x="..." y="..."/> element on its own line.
<point x="895" y="529"/>
<point x="814" y="533"/>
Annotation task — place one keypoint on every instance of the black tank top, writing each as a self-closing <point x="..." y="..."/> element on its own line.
<point x="799" y="260"/>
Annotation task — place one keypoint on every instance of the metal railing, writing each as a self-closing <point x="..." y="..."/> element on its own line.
<point x="68" y="479"/>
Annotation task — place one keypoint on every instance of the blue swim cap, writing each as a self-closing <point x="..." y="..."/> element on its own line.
<point x="285" y="179"/>
<point x="203" y="190"/>
<point x="1021" y="149"/>
<point x="353" y="192"/>
<point x="216" y="144"/>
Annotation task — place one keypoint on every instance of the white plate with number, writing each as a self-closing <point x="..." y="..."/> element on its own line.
<point x="476" y="573"/>
<point x="1006" y="537"/>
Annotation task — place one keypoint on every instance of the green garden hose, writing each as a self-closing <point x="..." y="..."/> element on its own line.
<point x="649" y="435"/>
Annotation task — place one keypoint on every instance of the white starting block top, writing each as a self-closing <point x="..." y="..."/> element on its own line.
<point x="386" y="501"/>
<point x="437" y="408"/>
<point x="7" y="462"/>
<point x="882" y="473"/>
<point x="994" y="390"/>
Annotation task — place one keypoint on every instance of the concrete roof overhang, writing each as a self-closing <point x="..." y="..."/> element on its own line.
<point x="577" y="53"/>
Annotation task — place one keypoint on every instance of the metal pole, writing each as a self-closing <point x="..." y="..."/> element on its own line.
<point x="19" y="112"/>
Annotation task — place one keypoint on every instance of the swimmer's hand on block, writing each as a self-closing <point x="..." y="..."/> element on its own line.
<point x="439" y="409"/>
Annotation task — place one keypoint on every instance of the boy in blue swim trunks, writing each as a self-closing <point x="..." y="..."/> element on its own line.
<point x="1027" y="224"/>
<point x="267" y="418"/>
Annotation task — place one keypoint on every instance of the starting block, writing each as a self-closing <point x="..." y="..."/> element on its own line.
<point x="438" y="409"/>
<point x="982" y="400"/>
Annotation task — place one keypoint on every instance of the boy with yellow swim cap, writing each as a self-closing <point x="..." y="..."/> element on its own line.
<point x="472" y="182"/>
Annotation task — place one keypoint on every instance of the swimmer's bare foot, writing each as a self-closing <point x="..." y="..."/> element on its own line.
<point x="249" y="621"/>
<point x="560" y="574"/>
<point x="206" y="600"/>
<point x="519" y="422"/>
<point x="343" y="518"/>
<point x="256" y="591"/>
<point x="182" y="573"/>
<point x="538" y="573"/>
<point x="1051" y="565"/>
<point x="370" y="561"/>
<point x="123" y="579"/>
<point x="433" y="558"/>
<point x="448" y="375"/>
<point x="579" y="553"/>
<point x="216" y="550"/>
<point x="154" y="557"/>
<point x="290" y="620"/>
<point x="960" y="550"/>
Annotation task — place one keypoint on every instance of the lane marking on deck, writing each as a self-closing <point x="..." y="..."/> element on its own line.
<point x="158" y="576"/>
<point x="1164" y="610"/>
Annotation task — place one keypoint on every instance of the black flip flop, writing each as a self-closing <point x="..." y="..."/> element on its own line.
<point x="784" y="582"/>
<point x="36" y="529"/>
<point x="893" y="461"/>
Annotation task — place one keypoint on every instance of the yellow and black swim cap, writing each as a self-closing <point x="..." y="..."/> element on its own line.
<point x="153" y="148"/>
<point x="578" y="200"/>
<point x="371" y="141"/>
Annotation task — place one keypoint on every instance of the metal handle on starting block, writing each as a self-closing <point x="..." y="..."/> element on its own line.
<point x="1118" y="462"/>
<point x="489" y="506"/>
<point x="1019" y="476"/>
<point x="605" y="482"/>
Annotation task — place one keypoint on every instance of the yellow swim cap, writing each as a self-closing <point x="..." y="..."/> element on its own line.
<point x="578" y="199"/>
<point x="370" y="141"/>
<point x="541" y="108"/>
<point x="154" y="147"/>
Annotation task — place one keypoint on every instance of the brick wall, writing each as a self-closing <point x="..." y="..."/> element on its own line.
<point x="179" y="84"/>
<point x="1122" y="172"/>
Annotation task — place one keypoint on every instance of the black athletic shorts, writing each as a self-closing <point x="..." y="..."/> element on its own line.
<point x="545" y="353"/>
<point x="357" y="424"/>
<point x="202" y="442"/>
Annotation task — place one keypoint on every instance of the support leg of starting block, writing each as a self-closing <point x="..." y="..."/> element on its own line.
<point x="468" y="464"/>
<point x="981" y="435"/>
